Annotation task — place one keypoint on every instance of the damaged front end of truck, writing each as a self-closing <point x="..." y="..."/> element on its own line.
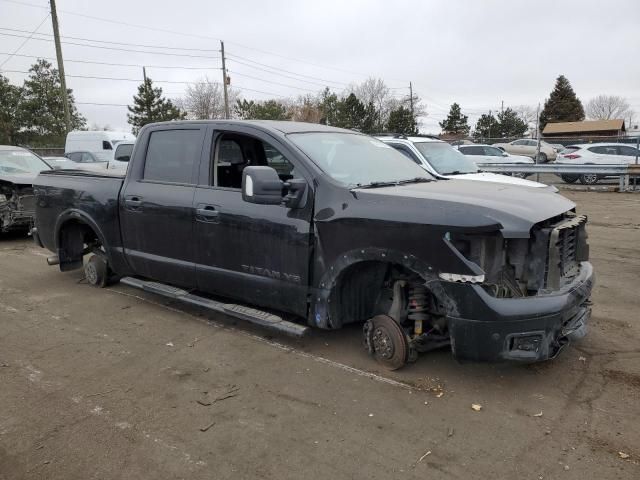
<point x="455" y="266"/>
<point x="17" y="206"/>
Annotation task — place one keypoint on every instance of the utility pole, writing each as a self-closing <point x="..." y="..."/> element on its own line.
<point x="490" y="123"/>
<point x="146" y="93"/>
<point x="63" y="81"/>
<point x="502" y="108"/>
<point x="538" y="138"/>
<point x="411" y="98"/>
<point x="225" y="80"/>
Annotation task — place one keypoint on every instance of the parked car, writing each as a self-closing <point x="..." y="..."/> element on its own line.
<point x="58" y="163"/>
<point x="121" y="156"/>
<point x="596" y="153"/>
<point x="488" y="154"/>
<point x="444" y="161"/>
<point x="18" y="169"/>
<point x="529" y="147"/>
<point x="89" y="160"/>
<point x="94" y="141"/>
<point x="349" y="232"/>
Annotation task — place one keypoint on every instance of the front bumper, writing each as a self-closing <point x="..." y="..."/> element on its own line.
<point x="528" y="329"/>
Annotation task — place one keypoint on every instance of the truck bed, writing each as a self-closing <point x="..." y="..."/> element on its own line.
<point x="67" y="194"/>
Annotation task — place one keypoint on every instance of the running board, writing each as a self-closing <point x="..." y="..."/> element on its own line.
<point x="259" y="317"/>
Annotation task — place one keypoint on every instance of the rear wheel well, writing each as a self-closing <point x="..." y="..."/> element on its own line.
<point x="75" y="240"/>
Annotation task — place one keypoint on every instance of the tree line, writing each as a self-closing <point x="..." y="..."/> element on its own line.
<point x="368" y="107"/>
<point x="32" y="113"/>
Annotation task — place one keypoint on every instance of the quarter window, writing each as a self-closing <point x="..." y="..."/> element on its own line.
<point x="171" y="155"/>
<point x="625" y="150"/>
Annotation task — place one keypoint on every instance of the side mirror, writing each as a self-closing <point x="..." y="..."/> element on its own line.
<point x="505" y="154"/>
<point x="123" y="158"/>
<point x="262" y="185"/>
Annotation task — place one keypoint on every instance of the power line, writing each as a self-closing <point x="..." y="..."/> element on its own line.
<point x="115" y="64"/>
<point x="157" y="29"/>
<point x="282" y="74"/>
<point x="115" y="43"/>
<point x="272" y="82"/>
<point x="286" y="71"/>
<point x="113" y="48"/>
<point x="25" y="41"/>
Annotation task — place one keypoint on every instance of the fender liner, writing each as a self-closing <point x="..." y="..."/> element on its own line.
<point x="320" y="311"/>
<point x="83" y="218"/>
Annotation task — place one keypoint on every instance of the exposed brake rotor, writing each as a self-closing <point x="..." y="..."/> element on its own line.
<point x="386" y="341"/>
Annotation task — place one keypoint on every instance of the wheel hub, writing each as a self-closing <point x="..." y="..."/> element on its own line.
<point x="91" y="274"/>
<point x="382" y="343"/>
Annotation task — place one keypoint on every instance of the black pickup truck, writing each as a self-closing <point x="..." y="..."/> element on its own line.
<point x="291" y="225"/>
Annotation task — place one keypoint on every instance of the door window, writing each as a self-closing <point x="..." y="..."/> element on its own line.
<point x="472" y="150"/>
<point x="493" y="152"/>
<point x="235" y="151"/>
<point x="171" y="155"/>
<point x="520" y="142"/>
<point x="87" y="158"/>
<point x="75" y="156"/>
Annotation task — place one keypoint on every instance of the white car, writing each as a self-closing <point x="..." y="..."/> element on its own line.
<point x="488" y="154"/>
<point x="92" y="161"/>
<point x="596" y="153"/>
<point x="529" y="147"/>
<point x="444" y="161"/>
<point x="121" y="156"/>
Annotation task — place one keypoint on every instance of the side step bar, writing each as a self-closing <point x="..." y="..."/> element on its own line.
<point x="259" y="317"/>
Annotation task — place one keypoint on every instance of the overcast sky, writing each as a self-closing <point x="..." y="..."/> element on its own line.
<point x="476" y="53"/>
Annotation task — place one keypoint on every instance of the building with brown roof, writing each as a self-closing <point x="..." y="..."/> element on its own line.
<point x="587" y="128"/>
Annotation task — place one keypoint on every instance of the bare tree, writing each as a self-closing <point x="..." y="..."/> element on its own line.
<point x="527" y="113"/>
<point x="205" y="99"/>
<point x="305" y="108"/>
<point x="608" y="107"/>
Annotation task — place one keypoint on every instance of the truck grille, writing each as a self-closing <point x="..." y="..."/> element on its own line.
<point x="567" y="241"/>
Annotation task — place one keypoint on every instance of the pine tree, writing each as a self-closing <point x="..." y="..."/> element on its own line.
<point x="562" y="106"/>
<point x="351" y="113"/>
<point x="486" y="127"/>
<point x="510" y="124"/>
<point x="9" y="102"/>
<point x="401" y="120"/>
<point x="41" y="110"/>
<point x="150" y="106"/>
<point x="455" y="123"/>
<point x="267" y="110"/>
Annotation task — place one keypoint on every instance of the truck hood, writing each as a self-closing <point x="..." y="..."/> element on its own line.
<point x="463" y="204"/>
<point x="19" y="178"/>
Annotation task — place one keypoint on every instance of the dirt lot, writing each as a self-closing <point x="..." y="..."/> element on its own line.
<point x="116" y="384"/>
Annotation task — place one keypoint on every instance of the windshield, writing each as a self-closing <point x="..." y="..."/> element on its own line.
<point x="445" y="159"/>
<point x="357" y="160"/>
<point x="21" y="161"/>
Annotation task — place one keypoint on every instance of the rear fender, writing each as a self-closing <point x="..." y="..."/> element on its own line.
<point x="68" y="249"/>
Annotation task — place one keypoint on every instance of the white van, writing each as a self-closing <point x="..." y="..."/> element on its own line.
<point x="95" y="141"/>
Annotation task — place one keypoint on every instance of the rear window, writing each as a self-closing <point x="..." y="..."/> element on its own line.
<point x="171" y="155"/>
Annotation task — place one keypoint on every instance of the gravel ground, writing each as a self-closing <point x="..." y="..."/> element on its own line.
<point x="118" y="384"/>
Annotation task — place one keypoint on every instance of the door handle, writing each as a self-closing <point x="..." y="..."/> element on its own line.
<point x="208" y="211"/>
<point x="133" y="201"/>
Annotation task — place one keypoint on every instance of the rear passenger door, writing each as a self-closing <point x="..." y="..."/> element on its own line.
<point x="156" y="205"/>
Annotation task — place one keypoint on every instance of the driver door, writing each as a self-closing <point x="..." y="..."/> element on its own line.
<point x="258" y="254"/>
